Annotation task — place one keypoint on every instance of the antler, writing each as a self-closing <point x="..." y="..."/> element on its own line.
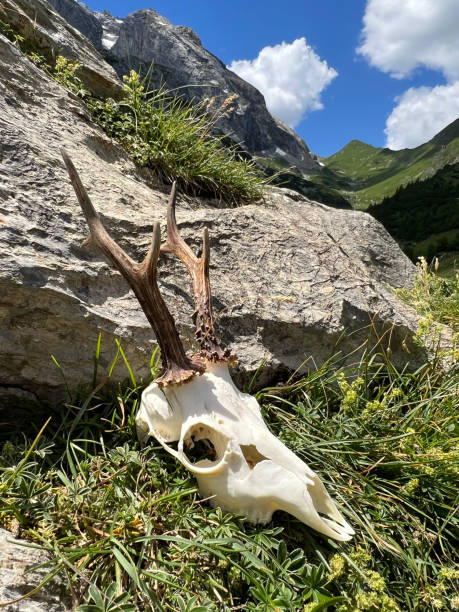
<point x="142" y="278"/>
<point x="198" y="268"/>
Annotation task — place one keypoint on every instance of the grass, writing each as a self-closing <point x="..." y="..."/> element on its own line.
<point x="127" y="528"/>
<point x="176" y="139"/>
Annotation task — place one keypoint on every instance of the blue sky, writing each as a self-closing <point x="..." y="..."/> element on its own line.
<point x="382" y="71"/>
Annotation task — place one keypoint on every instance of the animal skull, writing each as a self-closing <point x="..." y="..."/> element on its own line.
<point x="245" y="468"/>
<point x="249" y="471"/>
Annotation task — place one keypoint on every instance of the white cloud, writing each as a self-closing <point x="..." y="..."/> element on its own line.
<point x="421" y="112"/>
<point x="291" y="76"/>
<point x="401" y="35"/>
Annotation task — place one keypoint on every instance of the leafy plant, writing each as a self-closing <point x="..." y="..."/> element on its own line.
<point x="175" y="139"/>
<point x="65" y="73"/>
<point x="10" y="33"/>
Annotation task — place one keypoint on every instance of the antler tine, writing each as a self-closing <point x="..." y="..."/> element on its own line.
<point x="198" y="269"/>
<point x="99" y="235"/>
<point x="141" y="277"/>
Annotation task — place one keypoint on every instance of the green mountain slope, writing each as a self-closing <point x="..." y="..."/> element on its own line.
<point x="424" y="215"/>
<point x="365" y="175"/>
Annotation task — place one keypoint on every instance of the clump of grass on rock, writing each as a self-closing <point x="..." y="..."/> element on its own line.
<point x="175" y="139"/>
<point x="172" y="137"/>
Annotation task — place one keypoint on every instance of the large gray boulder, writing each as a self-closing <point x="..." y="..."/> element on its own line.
<point x="293" y="280"/>
<point x="180" y="62"/>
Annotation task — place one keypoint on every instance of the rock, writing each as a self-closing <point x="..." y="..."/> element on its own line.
<point x="145" y="39"/>
<point x="48" y="34"/>
<point x="81" y="18"/>
<point x="293" y="281"/>
<point x="17" y="558"/>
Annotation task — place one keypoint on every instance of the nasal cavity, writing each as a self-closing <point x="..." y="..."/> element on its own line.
<point x="252" y="455"/>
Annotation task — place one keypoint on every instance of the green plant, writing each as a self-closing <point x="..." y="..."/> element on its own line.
<point x="65" y="73"/>
<point x="433" y="296"/>
<point x="11" y="34"/>
<point x="175" y="139"/>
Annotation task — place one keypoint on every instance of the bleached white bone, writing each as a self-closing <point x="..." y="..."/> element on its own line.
<point x="252" y="473"/>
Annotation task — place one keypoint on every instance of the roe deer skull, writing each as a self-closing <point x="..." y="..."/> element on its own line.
<point x="241" y="466"/>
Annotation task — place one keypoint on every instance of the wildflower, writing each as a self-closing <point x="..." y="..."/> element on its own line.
<point x="411" y="486"/>
<point x="209" y="104"/>
<point x="349" y="391"/>
<point x="366" y="601"/>
<point x="230" y="100"/>
<point x="376" y="582"/>
<point x="428" y="470"/>
<point x="396" y="392"/>
<point x="337" y="567"/>
<point x="454" y="603"/>
<point x="360" y="557"/>
<point x="388" y="604"/>
<point x="349" y="400"/>
<point x="449" y="573"/>
<point x="372" y="408"/>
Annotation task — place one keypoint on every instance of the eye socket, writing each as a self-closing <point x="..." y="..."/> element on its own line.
<point x="203" y="445"/>
<point x="199" y="449"/>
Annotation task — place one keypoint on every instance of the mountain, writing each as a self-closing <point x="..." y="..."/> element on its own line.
<point x="424" y="215"/>
<point x="413" y="192"/>
<point x="174" y="56"/>
<point x="366" y="175"/>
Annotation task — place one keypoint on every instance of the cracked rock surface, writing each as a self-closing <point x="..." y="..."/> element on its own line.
<point x="293" y="280"/>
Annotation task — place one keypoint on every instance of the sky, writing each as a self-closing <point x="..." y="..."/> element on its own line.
<point x="385" y="72"/>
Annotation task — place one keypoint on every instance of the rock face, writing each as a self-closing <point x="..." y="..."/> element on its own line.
<point x="81" y="18"/>
<point x="17" y="559"/>
<point x="50" y="35"/>
<point x="293" y="280"/>
<point x="180" y="61"/>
